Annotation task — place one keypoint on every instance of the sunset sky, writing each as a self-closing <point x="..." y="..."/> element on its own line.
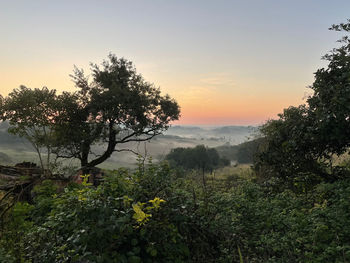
<point x="225" y="62"/>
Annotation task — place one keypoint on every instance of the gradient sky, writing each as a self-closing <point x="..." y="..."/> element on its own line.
<point x="225" y="62"/>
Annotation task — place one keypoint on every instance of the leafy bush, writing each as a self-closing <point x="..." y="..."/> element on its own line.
<point x="105" y="224"/>
<point x="285" y="227"/>
<point x="152" y="216"/>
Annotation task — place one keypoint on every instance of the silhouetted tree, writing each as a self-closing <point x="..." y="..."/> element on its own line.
<point x="300" y="145"/>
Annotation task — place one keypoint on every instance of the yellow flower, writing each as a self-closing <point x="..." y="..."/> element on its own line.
<point x="156" y="202"/>
<point x="140" y="216"/>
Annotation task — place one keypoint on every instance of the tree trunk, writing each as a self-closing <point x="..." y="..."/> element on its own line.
<point x="110" y="148"/>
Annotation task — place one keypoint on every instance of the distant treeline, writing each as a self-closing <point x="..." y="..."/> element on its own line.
<point x="198" y="158"/>
<point x="207" y="159"/>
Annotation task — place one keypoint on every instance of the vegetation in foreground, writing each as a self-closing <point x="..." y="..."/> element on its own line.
<point x="152" y="216"/>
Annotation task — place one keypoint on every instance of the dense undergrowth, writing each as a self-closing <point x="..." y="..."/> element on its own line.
<point x="151" y="215"/>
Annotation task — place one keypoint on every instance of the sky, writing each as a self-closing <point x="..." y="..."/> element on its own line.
<point x="225" y="62"/>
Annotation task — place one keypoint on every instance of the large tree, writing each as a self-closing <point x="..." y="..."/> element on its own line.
<point x="117" y="106"/>
<point x="304" y="140"/>
<point x="330" y="103"/>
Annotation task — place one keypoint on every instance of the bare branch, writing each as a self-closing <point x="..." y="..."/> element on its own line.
<point x="139" y="139"/>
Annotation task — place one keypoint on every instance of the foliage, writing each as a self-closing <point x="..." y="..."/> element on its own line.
<point x="14" y="228"/>
<point x="287" y="151"/>
<point x="151" y="216"/>
<point x="247" y="151"/>
<point x="301" y="144"/>
<point x="329" y="103"/>
<point x="285" y="227"/>
<point x="104" y="224"/>
<point x="116" y="107"/>
<point x="197" y="158"/>
<point x="31" y="115"/>
<point x="200" y="159"/>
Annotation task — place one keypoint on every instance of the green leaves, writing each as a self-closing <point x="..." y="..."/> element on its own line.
<point x="199" y="157"/>
<point x="302" y="143"/>
<point x="117" y="106"/>
<point x="249" y="222"/>
<point x="114" y="222"/>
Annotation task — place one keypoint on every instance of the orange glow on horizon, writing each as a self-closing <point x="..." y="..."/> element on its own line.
<point x="251" y="111"/>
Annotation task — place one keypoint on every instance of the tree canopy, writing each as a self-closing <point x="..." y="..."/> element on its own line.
<point x="304" y="140"/>
<point x="198" y="158"/>
<point x="31" y="114"/>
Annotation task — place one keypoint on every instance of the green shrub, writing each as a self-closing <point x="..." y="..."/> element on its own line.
<point x="150" y="216"/>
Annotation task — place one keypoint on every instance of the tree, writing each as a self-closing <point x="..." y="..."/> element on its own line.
<point x="331" y="99"/>
<point x="288" y="149"/>
<point x="246" y="151"/>
<point x="303" y="141"/>
<point x="200" y="158"/>
<point x="31" y="115"/>
<point x="116" y="107"/>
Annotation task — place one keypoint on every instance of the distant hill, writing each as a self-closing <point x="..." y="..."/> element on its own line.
<point x="186" y="129"/>
<point x="231" y="134"/>
<point x="234" y="129"/>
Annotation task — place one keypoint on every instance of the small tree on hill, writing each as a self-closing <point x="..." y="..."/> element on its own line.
<point x="31" y="115"/>
<point x="199" y="158"/>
